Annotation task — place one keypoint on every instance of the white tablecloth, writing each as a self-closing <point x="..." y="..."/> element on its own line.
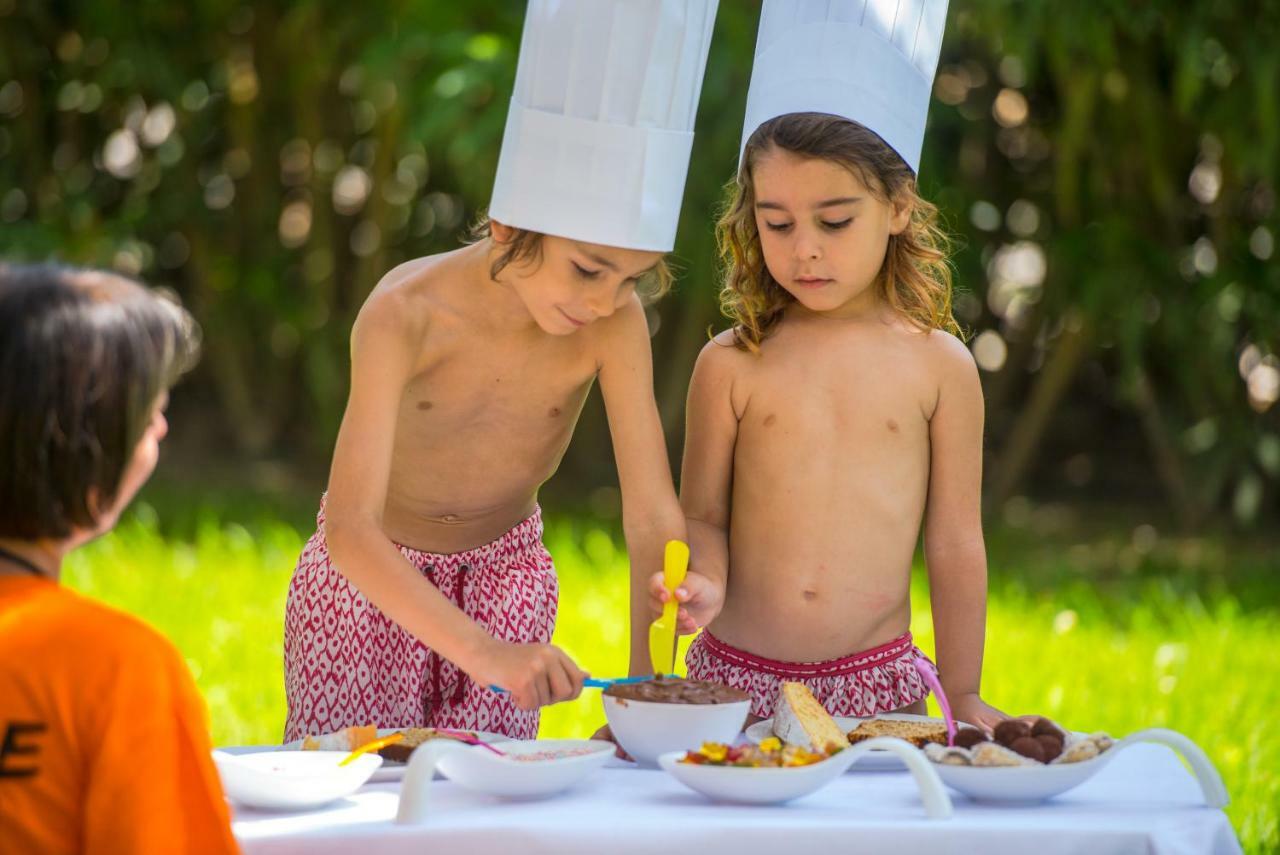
<point x="1144" y="801"/>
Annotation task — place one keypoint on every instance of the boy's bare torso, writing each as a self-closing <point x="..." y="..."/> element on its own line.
<point x="486" y="418"/>
<point x="831" y="473"/>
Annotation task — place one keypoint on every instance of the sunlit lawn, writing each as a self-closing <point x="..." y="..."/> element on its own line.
<point x="1094" y="651"/>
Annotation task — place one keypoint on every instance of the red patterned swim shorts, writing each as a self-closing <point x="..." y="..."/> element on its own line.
<point x="346" y="663"/>
<point x="879" y="680"/>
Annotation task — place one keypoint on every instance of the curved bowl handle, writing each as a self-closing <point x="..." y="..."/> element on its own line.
<point x="933" y="795"/>
<point x="415" y="791"/>
<point x="1215" y="792"/>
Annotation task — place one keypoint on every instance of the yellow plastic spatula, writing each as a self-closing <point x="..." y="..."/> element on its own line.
<point x="662" y="632"/>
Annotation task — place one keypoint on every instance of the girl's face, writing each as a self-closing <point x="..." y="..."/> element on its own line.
<point x="823" y="233"/>
<point x="575" y="283"/>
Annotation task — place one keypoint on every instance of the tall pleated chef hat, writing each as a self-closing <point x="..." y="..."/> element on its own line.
<point x="871" y="61"/>
<point x="598" y="134"/>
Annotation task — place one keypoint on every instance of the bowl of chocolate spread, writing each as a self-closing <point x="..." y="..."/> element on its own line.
<point x="671" y="714"/>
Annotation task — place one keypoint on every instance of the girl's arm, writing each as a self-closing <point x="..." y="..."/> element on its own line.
<point x="955" y="552"/>
<point x="650" y="513"/>
<point x="384" y="346"/>
<point x="706" y="480"/>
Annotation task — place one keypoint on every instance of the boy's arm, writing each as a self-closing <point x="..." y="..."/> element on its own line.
<point x="706" y="482"/>
<point x="955" y="552"/>
<point x="650" y="513"/>
<point x="384" y="347"/>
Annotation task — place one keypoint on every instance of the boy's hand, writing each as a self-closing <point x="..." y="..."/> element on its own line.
<point x="700" y="600"/>
<point x="970" y="708"/>
<point x="535" y="674"/>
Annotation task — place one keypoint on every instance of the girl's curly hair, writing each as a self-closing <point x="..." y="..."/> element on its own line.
<point x="915" y="279"/>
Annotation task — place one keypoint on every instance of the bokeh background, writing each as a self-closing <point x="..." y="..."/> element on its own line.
<point x="1108" y="170"/>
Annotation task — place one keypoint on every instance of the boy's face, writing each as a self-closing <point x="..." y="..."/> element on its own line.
<point x="575" y="283"/>
<point x="822" y="232"/>
<point x="136" y="472"/>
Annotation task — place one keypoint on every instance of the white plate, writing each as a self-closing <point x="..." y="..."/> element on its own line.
<point x="292" y="780"/>
<point x="873" y="761"/>
<point x="773" y="785"/>
<point x="1040" y="782"/>
<point x="388" y="771"/>
<point x="476" y="768"/>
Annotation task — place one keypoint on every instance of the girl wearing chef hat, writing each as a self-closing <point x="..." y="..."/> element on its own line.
<point x="841" y="414"/>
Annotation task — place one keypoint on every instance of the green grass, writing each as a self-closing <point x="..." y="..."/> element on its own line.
<point x="1105" y="635"/>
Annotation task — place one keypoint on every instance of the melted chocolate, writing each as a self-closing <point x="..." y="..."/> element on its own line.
<point x="673" y="690"/>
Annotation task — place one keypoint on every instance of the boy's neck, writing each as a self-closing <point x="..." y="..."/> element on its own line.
<point x="41" y="558"/>
<point x="502" y="306"/>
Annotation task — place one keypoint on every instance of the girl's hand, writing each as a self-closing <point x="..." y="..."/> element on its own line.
<point x="971" y="709"/>
<point x="535" y="674"/>
<point x="607" y="735"/>
<point x="700" y="600"/>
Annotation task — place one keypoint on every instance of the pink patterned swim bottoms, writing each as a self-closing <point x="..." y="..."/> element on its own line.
<point x="346" y="663"/>
<point x="879" y="680"/>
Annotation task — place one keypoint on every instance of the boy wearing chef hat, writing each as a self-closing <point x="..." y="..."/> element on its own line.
<point x="426" y="581"/>
<point x="840" y="415"/>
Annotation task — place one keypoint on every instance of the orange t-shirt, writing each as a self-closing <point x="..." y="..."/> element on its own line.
<point x="104" y="745"/>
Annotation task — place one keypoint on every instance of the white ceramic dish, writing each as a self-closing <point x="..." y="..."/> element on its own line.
<point x="770" y="786"/>
<point x="1040" y="782"/>
<point x="647" y="730"/>
<point x="872" y="761"/>
<point x="388" y="771"/>
<point x="292" y="780"/>
<point x="476" y="768"/>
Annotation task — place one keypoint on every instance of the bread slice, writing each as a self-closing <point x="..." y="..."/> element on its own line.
<point x="798" y="719"/>
<point x="399" y="752"/>
<point x="918" y="733"/>
<point x="347" y="739"/>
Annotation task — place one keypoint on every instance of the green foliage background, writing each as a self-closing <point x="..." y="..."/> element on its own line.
<point x="1108" y="169"/>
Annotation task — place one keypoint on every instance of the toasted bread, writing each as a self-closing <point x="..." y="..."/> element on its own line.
<point x="347" y="739"/>
<point x="918" y="733"/>
<point x="398" y="752"/>
<point x="798" y="719"/>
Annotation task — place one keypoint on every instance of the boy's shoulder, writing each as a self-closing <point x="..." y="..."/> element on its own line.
<point x="408" y="295"/>
<point x="92" y="632"/>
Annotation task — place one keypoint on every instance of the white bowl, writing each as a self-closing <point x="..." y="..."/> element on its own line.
<point x="773" y="785"/>
<point x="476" y="768"/>
<point x="646" y="729"/>
<point x="292" y="780"/>
<point x="1039" y="782"/>
<point x="754" y="786"/>
<point x="479" y="769"/>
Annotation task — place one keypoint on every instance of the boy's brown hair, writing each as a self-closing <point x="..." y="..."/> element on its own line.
<point x="84" y="358"/>
<point x="525" y="246"/>
<point x="915" y="278"/>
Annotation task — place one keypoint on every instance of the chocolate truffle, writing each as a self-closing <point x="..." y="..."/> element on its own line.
<point x="1027" y="746"/>
<point x="969" y="737"/>
<point x="1043" y="726"/>
<point x="1007" y="731"/>
<point x="1050" y="744"/>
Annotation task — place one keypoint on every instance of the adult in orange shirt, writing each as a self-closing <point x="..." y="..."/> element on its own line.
<point x="104" y="745"/>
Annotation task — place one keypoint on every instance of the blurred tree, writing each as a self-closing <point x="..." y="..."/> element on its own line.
<point x="1109" y="168"/>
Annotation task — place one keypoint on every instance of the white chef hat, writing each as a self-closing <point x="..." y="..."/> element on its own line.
<point x="871" y="61"/>
<point x="600" y="127"/>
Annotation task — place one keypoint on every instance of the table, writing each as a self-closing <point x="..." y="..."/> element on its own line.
<point x="1144" y="801"/>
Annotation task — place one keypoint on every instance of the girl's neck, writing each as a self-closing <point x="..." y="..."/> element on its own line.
<point x="864" y="307"/>
<point x="42" y="559"/>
